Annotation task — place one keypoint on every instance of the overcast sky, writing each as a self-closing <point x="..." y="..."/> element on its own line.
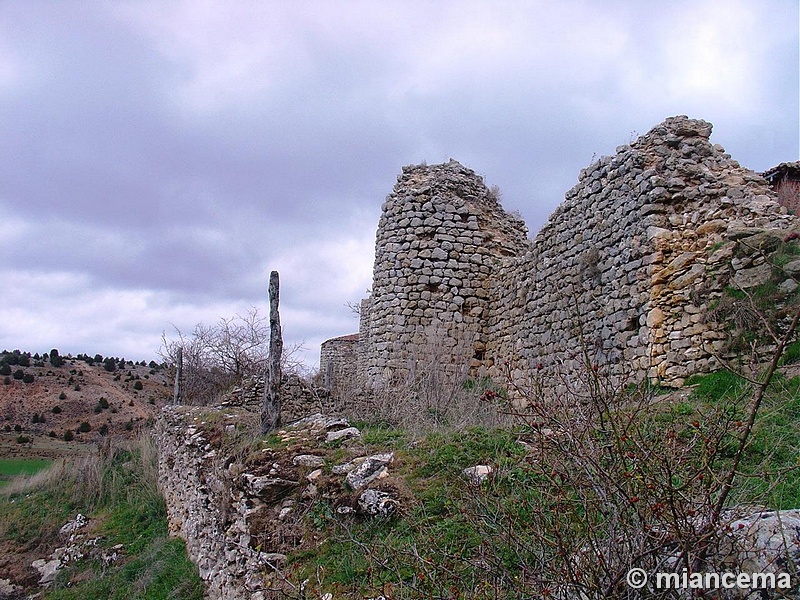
<point x="159" y="159"/>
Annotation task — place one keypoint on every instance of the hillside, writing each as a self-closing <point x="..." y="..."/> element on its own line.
<point x="60" y="399"/>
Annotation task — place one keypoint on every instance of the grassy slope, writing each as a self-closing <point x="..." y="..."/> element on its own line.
<point x="450" y="540"/>
<point x="118" y="491"/>
<point x="454" y="541"/>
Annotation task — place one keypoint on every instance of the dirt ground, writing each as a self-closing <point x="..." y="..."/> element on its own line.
<point x="67" y="396"/>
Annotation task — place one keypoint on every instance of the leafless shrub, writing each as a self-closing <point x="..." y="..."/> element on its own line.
<point x="495" y="193"/>
<point x="219" y="357"/>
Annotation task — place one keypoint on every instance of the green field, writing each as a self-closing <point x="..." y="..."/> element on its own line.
<point x="9" y="467"/>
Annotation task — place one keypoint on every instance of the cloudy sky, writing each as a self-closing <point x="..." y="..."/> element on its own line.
<point x="159" y="159"/>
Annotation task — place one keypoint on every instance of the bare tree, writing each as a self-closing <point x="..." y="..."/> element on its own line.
<point x="217" y="357"/>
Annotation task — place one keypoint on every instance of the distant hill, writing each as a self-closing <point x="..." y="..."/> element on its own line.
<point x="41" y="403"/>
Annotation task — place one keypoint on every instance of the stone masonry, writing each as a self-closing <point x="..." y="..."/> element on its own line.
<point x="624" y="271"/>
<point x="628" y="265"/>
<point x="441" y="239"/>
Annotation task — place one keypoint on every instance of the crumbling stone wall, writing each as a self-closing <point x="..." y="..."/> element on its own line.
<point x="338" y="360"/>
<point x="624" y="271"/>
<point x="626" y="267"/>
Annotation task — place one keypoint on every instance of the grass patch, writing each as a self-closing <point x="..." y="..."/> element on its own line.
<point x="118" y="489"/>
<point x="792" y="354"/>
<point x="718" y="386"/>
<point x="11" y="467"/>
<point x="158" y="571"/>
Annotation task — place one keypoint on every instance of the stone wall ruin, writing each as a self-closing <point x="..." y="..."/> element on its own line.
<point x="624" y="271"/>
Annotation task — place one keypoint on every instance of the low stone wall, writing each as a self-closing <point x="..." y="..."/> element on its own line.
<point x="240" y="504"/>
<point x="202" y="508"/>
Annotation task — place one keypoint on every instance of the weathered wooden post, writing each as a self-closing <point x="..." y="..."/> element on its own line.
<point x="177" y="394"/>
<point x="271" y="413"/>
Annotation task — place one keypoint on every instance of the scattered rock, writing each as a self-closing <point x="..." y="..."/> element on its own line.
<point x="478" y="474"/>
<point x="345" y="468"/>
<point x="788" y="286"/>
<point x="377" y="503"/>
<point x="343" y="434"/>
<point x="8" y="589"/>
<point x="372" y="468"/>
<point x="308" y="460"/>
<point x="792" y="268"/>
<point x="269" y="489"/>
<point x="755" y="276"/>
<point x="48" y="569"/>
<point x="78" y="522"/>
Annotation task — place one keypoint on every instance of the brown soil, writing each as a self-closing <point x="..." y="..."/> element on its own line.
<point x="128" y="408"/>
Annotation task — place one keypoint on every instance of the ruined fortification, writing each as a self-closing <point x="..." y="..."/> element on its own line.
<point x="626" y="268"/>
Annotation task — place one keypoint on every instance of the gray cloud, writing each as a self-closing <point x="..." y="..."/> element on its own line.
<point x="161" y="159"/>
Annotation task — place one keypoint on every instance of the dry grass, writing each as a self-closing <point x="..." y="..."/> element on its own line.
<point x="432" y="389"/>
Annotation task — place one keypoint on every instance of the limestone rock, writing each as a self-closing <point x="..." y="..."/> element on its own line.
<point x="788" y="286"/>
<point x="792" y="268"/>
<point x="269" y="489"/>
<point x="755" y="276"/>
<point x="478" y="474"/>
<point x="343" y="434"/>
<point x="48" y="569"/>
<point x="308" y="460"/>
<point x="372" y="468"/>
<point x="8" y="589"/>
<point x="72" y="526"/>
<point x="377" y="503"/>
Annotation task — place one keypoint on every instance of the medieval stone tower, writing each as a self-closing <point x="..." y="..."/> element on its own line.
<point x="627" y="271"/>
<point x="441" y="238"/>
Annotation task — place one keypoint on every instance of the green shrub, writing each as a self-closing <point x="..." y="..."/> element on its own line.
<point x="28" y="378"/>
<point x="62" y="396"/>
<point x="84" y="427"/>
<point x="68" y="435"/>
<point x="57" y="409"/>
<point x="138" y="385"/>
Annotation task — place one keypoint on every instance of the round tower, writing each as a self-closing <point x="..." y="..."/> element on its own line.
<point x="441" y="235"/>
